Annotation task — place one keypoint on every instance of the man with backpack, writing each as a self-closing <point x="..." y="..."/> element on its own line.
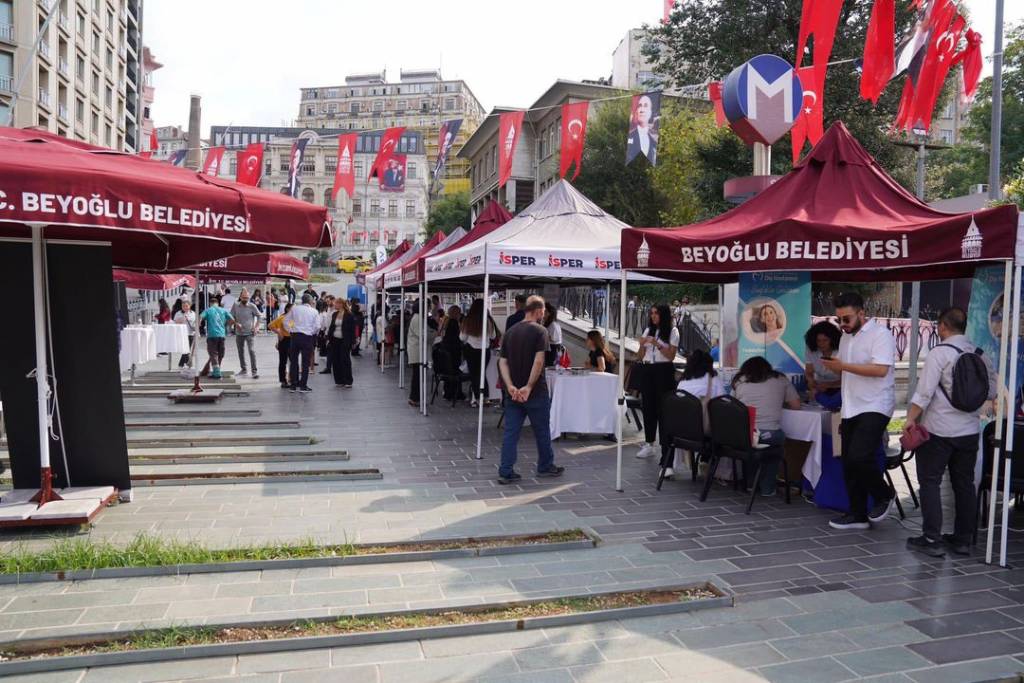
<point x="957" y="380"/>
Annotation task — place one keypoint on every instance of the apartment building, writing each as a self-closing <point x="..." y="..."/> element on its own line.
<point x="373" y="216"/>
<point x="84" y="81"/>
<point x="420" y="100"/>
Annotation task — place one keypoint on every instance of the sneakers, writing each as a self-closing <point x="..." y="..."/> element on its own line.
<point x="646" y="451"/>
<point x="305" y="390"/>
<point x="553" y="471"/>
<point x="845" y="522"/>
<point x="879" y="511"/>
<point x="285" y="385"/>
<point x="325" y="372"/>
<point x="927" y="546"/>
<point x="255" y="376"/>
<point x="243" y="372"/>
<point x="215" y="374"/>
<point x="292" y="388"/>
<point x="669" y="472"/>
<point x="958" y="547"/>
<point x="509" y="478"/>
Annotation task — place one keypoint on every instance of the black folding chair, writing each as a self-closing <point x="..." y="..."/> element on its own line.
<point x="444" y="371"/>
<point x="1016" y="461"/>
<point x="682" y="426"/>
<point x="898" y="460"/>
<point x="731" y="438"/>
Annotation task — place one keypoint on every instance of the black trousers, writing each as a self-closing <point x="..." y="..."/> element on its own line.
<point x="339" y="360"/>
<point x="473" y="357"/>
<point x="283" y="345"/>
<point x="186" y="357"/>
<point x="655" y="380"/>
<point x="959" y="454"/>
<point x="414" y="385"/>
<point x="301" y="347"/>
<point x="862" y="435"/>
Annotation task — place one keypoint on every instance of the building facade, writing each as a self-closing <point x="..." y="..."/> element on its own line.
<point x="630" y="69"/>
<point x="947" y="124"/>
<point x="419" y="100"/>
<point x="149" y="65"/>
<point x="84" y="81"/>
<point x="373" y="216"/>
<point x="171" y="139"/>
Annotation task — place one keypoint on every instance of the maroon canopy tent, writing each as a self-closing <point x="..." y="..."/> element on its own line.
<point x="257" y="266"/>
<point x="153" y="215"/>
<point x="156" y="282"/>
<point x="840" y="215"/>
<point x="403" y="246"/>
<point x="490" y="219"/>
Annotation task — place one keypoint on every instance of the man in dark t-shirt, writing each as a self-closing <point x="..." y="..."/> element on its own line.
<point x="522" y="372"/>
<point x="519" y="314"/>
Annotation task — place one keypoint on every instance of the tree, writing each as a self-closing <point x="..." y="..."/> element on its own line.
<point x="448" y="212"/>
<point x="1014" y="188"/>
<point x="318" y="258"/>
<point x="706" y="39"/>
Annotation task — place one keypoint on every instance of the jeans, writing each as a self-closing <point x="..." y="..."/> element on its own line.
<point x="959" y="454"/>
<point x="862" y="436"/>
<point x="538" y="409"/>
<point x="301" y="346"/>
<point x="215" y="348"/>
<point x="472" y="357"/>
<point x="339" y="360"/>
<point x="283" y="345"/>
<point x="241" y="341"/>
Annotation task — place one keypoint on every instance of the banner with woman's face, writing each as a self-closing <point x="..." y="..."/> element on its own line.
<point x="774" y="313"/>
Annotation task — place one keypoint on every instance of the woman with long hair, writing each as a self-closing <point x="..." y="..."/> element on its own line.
<point x="600" y="358"/>
<point x="767" y="320"/>
<point x="451" y="342"/>
<point x="760" y="387"/>
<point x="163" y="315"/>
<point x="702" y="380"/>
<point x="555" y="346"/>
<point x="341" y="332"/>
<point x="657" y="351"/>
<point x="822" y="341"/>
<point x="477" y="347"/>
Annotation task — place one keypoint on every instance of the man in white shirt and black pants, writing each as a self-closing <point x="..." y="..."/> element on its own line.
<point x="303" y="323"/>
<point x="867" y="356"/>
<point x="952" y="440"/>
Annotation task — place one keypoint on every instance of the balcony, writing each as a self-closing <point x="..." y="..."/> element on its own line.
<point x="62" y="112"/>
<point x="62" y="67"/>
<point x="44" y="50"/>
<point x="44" y="98"/>
<point x="7" y="33"/>
<point x="64" y="23"/>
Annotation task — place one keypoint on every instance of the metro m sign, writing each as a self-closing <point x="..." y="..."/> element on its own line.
<point x="761" y="99"/>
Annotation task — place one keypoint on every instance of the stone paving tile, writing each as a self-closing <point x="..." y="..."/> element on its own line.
<point x="636" y="671"/>
<point x="283" y="661"/>
<point x="962" y="648"/>
<point x="882" y="661"/>
<point x="820" y="670"/>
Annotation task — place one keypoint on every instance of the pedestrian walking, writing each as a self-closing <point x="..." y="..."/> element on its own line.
<point x="341" y="332"/>
<point x="303" y="322"/>
<point x="865" y="365"/>
<point x="278" y="327"/>
<point x="246" y="319"/>
<point x="187" y="317"/>
<point x="956" y="382"/>
<point x="522" y="373"/>
<point x="217" y="320"/>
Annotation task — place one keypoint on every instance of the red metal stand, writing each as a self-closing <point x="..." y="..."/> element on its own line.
<point x="45" y="494"/>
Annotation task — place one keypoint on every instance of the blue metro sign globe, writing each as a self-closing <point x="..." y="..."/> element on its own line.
<point x="762" y="99"/>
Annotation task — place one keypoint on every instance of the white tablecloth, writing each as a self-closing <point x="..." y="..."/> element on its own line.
<point x="170" y="338"/>
<point x="583" y="404"/>
<point x="808" y="424"/>
<point x="138" y="345"/>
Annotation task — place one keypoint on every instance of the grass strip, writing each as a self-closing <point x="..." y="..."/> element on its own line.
<point x="145" y="550"/>
<point x="186" y="636"/>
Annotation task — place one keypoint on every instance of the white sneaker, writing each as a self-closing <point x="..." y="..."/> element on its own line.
<point x="669" y="472"/>
<point x="646" y="451"/>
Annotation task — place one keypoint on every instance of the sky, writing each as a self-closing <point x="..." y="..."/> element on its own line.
<point x="249" y="58"/>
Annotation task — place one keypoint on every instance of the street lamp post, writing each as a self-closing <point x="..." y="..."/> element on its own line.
<point x="994" y="184"/>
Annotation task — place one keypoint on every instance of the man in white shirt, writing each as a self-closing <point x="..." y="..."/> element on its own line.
<point x="952" y="441"/>
<point x="867" y="356"/>
<point x="227" y="299"/>
<point x="303" y="323"/>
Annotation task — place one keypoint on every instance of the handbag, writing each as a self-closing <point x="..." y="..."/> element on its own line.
<point x="915" y="435"/>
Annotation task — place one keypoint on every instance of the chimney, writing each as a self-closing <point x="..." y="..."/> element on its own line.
<point x="194" y="159"/>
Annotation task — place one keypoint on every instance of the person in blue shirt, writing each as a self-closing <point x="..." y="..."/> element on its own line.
<point x="715" y="352"/>
<point x="216" y="319"/>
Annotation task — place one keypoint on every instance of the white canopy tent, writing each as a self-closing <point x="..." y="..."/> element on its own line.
<point x="562" y="238"/>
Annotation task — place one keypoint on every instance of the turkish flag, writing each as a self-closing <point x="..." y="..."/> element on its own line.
<point x="388" y="146"/>
<point x="970" y="59"/>
<point x="214" y="156"/>
<point x="879" y="50"/>
<point x="345" y="174"/>
<point x="249" y="164"/>
<point x="818" y="18"/>
<point x="945" y="26"/>
<point x="715" y="95"/>
<point x="810" y="122"/>
<point x="574" y="133"/>
<point x="509" y="125"/>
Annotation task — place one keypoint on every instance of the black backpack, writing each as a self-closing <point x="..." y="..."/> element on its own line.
<point x="969" y="390"/>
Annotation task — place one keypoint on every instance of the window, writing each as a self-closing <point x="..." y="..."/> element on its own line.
<point x="410" y="171"/>
<point x="108" y="136"/>
<point x="233" y="166"/>
<point x="449" y="103"/>
<point x="328" y="198"/>
<point x="410" y="208"/>
<point x="95" y="122"/>
<point x="285" y="162"/>
<point x="374" y="207"/>
<point x="378" y="105"/>
<point x="309" y="164"/>
<point x="392" y="239"/>
<point x="357" y="207"/>
<point x="392" y="208"/>
<point x="96" y="44"/>
<point x="359" y="168"/>
<point x="109" y="93"/>
<point x="110" y="19"/>
<point x="80" y="111"/>
<point x="310" y="110"/>
<point x="354" y="108"/>
<point x="401" y="105"/>
<point x="81" y="24"/>
<point x="79" y="67"/>
<point x="308" y="195"/>
<point x="331" y="163"/>
<point x="110" y="59"/>
<point x="96" y="83"/>
<point x="332" y="108"/>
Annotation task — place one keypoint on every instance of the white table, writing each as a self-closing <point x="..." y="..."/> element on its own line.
<point x="583" y="404"/>
<point x="170" y="338"/>
<point x="808" y="424"/>
<point x="138" y="345"/>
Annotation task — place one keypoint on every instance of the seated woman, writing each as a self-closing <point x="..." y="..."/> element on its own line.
<point x="700" y="379"/>
<point x="766" y="391"/>
<point x="600" y="358"/>
<point x="822" y="341"/>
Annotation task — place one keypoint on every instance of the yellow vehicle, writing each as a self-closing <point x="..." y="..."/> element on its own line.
<point x="353" y="265"/>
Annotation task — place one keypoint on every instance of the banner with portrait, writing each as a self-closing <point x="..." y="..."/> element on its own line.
<point x="985" y="318"/>
<point x="774" y="314"/>
<point x="392" y="174"/>
<point x="643" y="127"/>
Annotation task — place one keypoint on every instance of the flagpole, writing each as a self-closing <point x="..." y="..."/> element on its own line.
<point x="994" y="186"/>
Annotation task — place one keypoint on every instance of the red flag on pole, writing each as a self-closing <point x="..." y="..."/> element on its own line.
<point x="214" y="155"/>
<point x="810" y="122"/>
<point x="154" y="142"/>
<point x="970" y="59"/>
<point x="388" y="146"/>
<point x="715" y="95"/>
<point x="249" y="164"/>
<point x="509" y="125"/>
<point x="345" y="175"/>
<point x="818" y="18"/>
<point x="945" y="26"/>
<point x="574" y="133"/>
<point x="879" y="50"/>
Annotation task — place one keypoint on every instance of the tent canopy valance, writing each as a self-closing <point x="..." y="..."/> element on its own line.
<point x="257" y="266"/>
<point x="391" y="277"/>
<point x="154" y="215"/>
<point x="838" y="214"/>
<point x="410" y="274"/>
<point x="369" y="276"/>
<point x="155" y="282"/>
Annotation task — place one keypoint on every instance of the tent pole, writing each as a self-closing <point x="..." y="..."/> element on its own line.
<point x="46" y="492"/>
<point x="622" y="382"/>
<point x="483" y="370"/>
<point x="384" y="318"/>
<point x="1000" y="404"/>
<point x="915" y="336"/>
<point x="425" y="346"/>
<point x="1011" y="409"/>
<point x="607" y="310"/>
<point x="401" y="337"/>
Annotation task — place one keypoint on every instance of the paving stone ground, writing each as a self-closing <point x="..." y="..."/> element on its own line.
<point x="813" y="604"/>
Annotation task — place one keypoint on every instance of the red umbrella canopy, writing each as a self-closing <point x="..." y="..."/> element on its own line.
<point x="152" y="281"/>
<point x="156" y="216"/>
<point x="255" y="265"/>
